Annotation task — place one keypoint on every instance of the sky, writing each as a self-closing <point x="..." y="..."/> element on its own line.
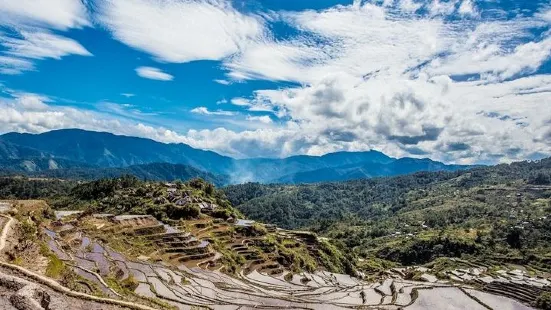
<point x="460" y="81"/>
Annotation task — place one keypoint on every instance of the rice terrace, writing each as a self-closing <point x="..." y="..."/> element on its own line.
<point x="210" y="258"/>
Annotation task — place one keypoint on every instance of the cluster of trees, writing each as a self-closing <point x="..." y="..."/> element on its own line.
<point x="422" y="251"/>
<point x="121" y="195"/>
<point x="25" y="188"/>
<point x="540" y="178"/>
<point x="104" y="187"/>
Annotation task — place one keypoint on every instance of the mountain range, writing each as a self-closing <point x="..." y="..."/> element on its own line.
<point x="87" y="154"/>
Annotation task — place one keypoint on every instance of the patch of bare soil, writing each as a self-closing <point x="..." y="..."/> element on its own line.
<point x="24" y="251"/>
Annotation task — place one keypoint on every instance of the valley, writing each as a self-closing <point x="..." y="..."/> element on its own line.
<point x="103" y="261"/>
<point x="122" y="242"/>
<point x="275" y="154"/>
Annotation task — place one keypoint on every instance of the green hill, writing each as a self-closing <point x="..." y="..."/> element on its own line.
<point x="497" y="213"/>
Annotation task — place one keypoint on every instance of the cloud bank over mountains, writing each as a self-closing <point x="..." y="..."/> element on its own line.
<point x="457" y="81"/>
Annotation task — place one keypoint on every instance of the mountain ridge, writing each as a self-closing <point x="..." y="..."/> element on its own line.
<point x="107" y="150"/>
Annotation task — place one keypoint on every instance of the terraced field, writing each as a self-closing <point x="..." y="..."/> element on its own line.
<point x="139" y="260"/>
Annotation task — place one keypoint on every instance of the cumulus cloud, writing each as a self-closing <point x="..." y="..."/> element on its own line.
<point x="34" y="113"/>
<point x="153" y="74"/>
<point x="467" y="7"/>
<point x="366" y="85"/>
<point x="409" y="5"/>
<point x="180" y="31"/>
<point x="31" y="102"/>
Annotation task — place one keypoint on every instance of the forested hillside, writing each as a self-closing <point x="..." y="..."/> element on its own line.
<point x="151" y="172"/>
<point x="502" y="210"/>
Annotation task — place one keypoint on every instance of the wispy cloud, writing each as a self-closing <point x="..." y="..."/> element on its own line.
<point x="223" y="82"/>
<point x="205" y="111"/>
<point x="180" y="31"/>
<point x="30" y="36"/>
<point x="263" y="119"/>
<point x="153" y="74"/>
<point x="12" y="65"/>
<point x="40" y="45"/>
<point x="240" y="102"/>
<point x="59" y="14"/>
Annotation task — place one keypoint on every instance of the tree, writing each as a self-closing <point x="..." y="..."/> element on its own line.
<point x="209" y="189"/>
<point x="540" y="178"/>
<point x="514" y="238"/>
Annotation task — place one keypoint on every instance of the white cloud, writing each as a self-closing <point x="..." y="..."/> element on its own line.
<point x="355" y="40"/>
<point x="59" y="14"/>
<point x="29" y="22"/>
<point x="128" y="95"/>
<point x="438" y="7"/>
<point x="427" y="115"/>
<point x="153" y="74"/>
<point x="32" y="102"/>
<point x="12" y="65"/>
<point x="223" y="82"/>
<point x="263" y="119"/>
<point x="180" y="31"/>
<point x="242" y="102"/>
<point x="409" y="5"/>
<point x="40" y="45"/>
<point x="366" y="85"/>
<point x="491" y="59"/>
<point x="205" y="111"/>
<point x="546" y="15"/>
<point x="467" y="7"/>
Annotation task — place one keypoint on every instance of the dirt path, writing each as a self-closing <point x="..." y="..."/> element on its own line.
<point x="5" y="231"/>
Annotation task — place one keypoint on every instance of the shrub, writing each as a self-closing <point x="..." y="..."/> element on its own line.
<point x="544" y="301"/>
<point x="179" y="212"/>
<point x="130" y="283"/>
<point x="55" y="267"/>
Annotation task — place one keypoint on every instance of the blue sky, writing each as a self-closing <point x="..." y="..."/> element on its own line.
<point x="460" y="81"/>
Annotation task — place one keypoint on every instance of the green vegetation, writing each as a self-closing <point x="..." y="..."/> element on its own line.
<point x="499" y="214"/>
<point x="55" y="267"/>
<point x="25" y="188"/>
<point x="544" y="301"/>
<point x="129" y="195"/>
